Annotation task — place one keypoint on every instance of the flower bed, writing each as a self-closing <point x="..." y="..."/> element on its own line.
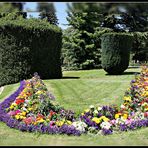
<point x="33" y="108"/>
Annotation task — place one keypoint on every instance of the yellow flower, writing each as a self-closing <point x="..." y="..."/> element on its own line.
<point x="117" y="115"/>
<point x="146" y="88"/>
<point x="104" y="118"/>
<point x="146" y="94"/>
<point x="21" y="117"/>
<point x="17" y="116"/>
<point x="125" y="116"/>
<point x="11" y="107"/>
<point x="82" y="114"/>
<point x="59" y="123"/>
<point x="14" y="104"/>
<point x="68" y="122"/>
<point x="41" y="120"/>
<point x="86" y="110"/>
<point x="35" y="123"/>
<point x="30" y="109"/>
<point x="97" y="120"/>
<point x="47" y="120"/>
<point x="39" y="92"/>
<point x="24" y="113"/>
<point x="127" y="98"/>
<point x="128" y="89"/>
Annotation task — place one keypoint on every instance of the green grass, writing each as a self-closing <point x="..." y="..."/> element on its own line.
<point x="77" y="90"/>
<point x="8" y="89"/>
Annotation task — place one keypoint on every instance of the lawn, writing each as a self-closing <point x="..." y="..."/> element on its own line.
<point x="77" y="90"/>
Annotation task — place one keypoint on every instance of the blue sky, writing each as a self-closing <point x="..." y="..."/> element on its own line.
<point x="60" y="11"/>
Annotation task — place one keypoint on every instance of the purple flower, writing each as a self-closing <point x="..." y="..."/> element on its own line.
<point x="22" y="127"/>
<point x="106" y="131"/>
<point x="123" y="127"/>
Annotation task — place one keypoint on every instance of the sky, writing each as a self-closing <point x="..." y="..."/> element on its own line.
<point x="60" y="11"/>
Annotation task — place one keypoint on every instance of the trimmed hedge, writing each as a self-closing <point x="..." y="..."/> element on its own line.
<point x="116" y="52"/>
<point x="28" y="46"/>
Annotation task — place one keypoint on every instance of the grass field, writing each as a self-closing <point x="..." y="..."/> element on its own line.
<point x="77" y="90"/>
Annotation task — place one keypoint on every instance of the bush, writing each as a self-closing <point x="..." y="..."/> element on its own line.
<point x="116" y="52"/>
<point x="79" y="54"/>
<point x="28" y="46"/>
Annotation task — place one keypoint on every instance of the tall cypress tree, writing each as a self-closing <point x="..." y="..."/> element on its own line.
<point x="47" y="10"/>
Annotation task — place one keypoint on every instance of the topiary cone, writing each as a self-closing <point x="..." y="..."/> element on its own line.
<point x="116" y="52"/>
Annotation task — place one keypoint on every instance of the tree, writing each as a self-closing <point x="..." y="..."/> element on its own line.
<point x="15" y="7"/>
<point x="131" y="17"/>
<point x="80" y="47"/>
<point x="116" y="52"/>
<point x="132" y="14"/>
<point x="47" y="10"/>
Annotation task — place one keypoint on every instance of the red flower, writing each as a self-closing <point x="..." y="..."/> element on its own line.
<point x="146" y="114"/>
<point x="19" y="101"/>
<point x="40" y="116"/>
<point x="51" y="114"/>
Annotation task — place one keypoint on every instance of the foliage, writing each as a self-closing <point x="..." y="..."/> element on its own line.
<point x="47" y="11"/>
<point x="126" y="16"/>
<point x="80" y="48"/>
<point x="115" y="52"/>
<point x="15" y="8"/>
<point x="7" y="7"/>
<point x="25" y="49"/>
<point x="140" y="50"/>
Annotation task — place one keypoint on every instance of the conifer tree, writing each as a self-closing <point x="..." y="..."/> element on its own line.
<point x="47" y="10"/>
<point x="79" y="44"/>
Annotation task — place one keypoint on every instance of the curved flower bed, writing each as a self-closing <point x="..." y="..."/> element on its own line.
<point x="32" y="108"/>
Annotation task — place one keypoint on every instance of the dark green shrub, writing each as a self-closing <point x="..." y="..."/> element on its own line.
<point x="116" y="52"/>
<point x="28" y="46"/>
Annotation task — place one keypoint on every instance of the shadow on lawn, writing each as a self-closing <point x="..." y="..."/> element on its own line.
<point x="125" y="73"/>
<point x="70" y="77"/>
<point x="130" y="73"/>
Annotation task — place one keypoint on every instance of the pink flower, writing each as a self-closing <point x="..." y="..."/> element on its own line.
<point x="52" y="123"/>
<point x="128" y="121"/>
<point x="113" y="122"/>
<point x="11" y="113"/>
<point x="17" y="112"/>
<point x="29" y="120"/>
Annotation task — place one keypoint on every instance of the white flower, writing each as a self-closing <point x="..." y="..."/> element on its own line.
<point x="24" y="109"/>
<point x="91" y="107"/>
<point x="27" y="101"/>
<point x="79" y="125"/>
<point x="99" y="108"/>
<point x="25" y="104"/>
<point x="122" y="106"/>
<point x="138" y="115"/>
<point x="120" y="120"/>
<point x="105" y="125"/>
<point x="95" y="112"/>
